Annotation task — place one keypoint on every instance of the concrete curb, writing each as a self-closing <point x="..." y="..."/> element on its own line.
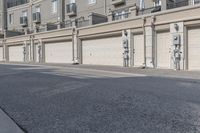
<point x="7" y="125"/>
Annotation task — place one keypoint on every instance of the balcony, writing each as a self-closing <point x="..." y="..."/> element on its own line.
<point x="36" y="17"/>
<point x="71" y="9"/>
<point x="120" y="16"/>
<point x="173" y="4"/>
<point x="16" y="3"/>
<point x="149" y="10"/>
<point x="23" y="21"/>
<point x="117" y="2"/>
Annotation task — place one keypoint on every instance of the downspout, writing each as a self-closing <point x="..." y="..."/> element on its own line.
<point x="31" y="12"/>
<point x="73" y="44"/>
<point x="105" y="8"/>
<point x="144" y="33"/>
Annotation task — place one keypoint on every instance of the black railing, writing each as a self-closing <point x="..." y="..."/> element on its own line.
<point x="197" y="2"/>
<point x="182" y="3"/>
<point x="149" y="10"/>
<point x="16" y="3"/>
<point x="71" y="8"/>
<point x="36" y="17"/>
<point x="120" y="16"/>
<point x="82" y="23"/>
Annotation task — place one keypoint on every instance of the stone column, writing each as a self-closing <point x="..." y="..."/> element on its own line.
<point x="75" y="46"/>
<point x="128" y="49"/>
<point x="5" y="51"/>
<point x="31" y="49"/>
<point x="163" y="5"/>
<point x="133" y="11"/>
<point x="178" y="29"/>
<point x="40" y="52"/>
<point x="149" y="46"/>
<point x="26" y="58"/>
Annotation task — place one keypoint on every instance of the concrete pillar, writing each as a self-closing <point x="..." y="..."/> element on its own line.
<point x="31" y="49"/>
<point x="5" y="51"/>
<point x="110" y="16"/>
<point x="26" y="58"/>
<point x="42" y="58"/>
<point x="163" y="5"/>
<point x="75" y="44"/>
<point x="133" y="11"/>
<point x="149" y="46"/>
<point x="40" y="52"/>
<point x="178" y="31"/>
<point x="128" y="49"/>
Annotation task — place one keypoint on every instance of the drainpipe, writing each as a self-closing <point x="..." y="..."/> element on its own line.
<point x="144" y="33"/>
<point x="105" y="8"/>
<point x="73" y="44"/>
<point x="31" y="12"/>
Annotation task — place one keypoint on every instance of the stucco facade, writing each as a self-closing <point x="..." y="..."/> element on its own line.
<point x="151" y="37"/>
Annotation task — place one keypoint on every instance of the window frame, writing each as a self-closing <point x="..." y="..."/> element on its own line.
<point x="11" y="18"/>
<point x="91" y="2"/>
<point x="54" y="6"/>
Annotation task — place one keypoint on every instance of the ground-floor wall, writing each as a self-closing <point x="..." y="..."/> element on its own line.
<point x="143" y="42"/>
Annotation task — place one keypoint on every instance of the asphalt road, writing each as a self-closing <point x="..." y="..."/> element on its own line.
<point x="66" y="100"/>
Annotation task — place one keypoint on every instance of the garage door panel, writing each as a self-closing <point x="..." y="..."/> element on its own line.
<point x="105" y="51"/>
<point x="163" y="47"/>
<point x="58" y="52"/>
<point x="194" y="49"/>
<point x="16" y="53"/>
<point x="138" y="50"/>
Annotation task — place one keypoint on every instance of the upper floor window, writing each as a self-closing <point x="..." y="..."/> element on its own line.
<point x="72" y="1"/>
<point x="37" y="9"/>
<point x="196" y="1"/>
<point x="54" y="6"/>
<point x="142" y="5"/>
<point x="11" y="18"/>
<point x="157" y="3"/>
<point x="92" y="1"/>
<point x="24" y="14"/>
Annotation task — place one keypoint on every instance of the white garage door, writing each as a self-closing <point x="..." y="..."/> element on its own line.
<point x="36" y="53"/>
<point x="194" y="49"/>
<point x="138" y="50"/>
<point x="58" y="52"/>
<point x="1" y="53"/>
<point x="163" y="50"/>
<point x="16" y="53"/>
<point x="105" y="51"/>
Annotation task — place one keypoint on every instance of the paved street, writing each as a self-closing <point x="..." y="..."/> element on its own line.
<point x="50" y="99"/>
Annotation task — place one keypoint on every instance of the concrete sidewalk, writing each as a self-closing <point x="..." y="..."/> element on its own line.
<point x="148" y="71"/>
<point x="7" y="125"/>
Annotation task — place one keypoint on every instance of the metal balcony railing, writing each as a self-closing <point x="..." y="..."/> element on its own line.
<point x="82" y="23"/>
<point x="149" y="10"/>
<point x="182" y="3"/>
<point x="16" y="3"/>
<point x="120" y="16"/>
<point x="71" y="8"/>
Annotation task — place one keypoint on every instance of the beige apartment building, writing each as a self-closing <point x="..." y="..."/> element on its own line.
<point x="131" y="33"/>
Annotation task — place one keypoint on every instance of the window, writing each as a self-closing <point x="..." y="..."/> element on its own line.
<point x="24" y="14"/>
<point x="157" y="3"/>
<point x="72" y="1"/>
<point x="54" y="6"/>
<point x="92" y="1"/>
<point x="11" y="18"/>
<point x="142" y="5"/>
<point x="196" y="1"/>
<point x="37" y="9"/>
